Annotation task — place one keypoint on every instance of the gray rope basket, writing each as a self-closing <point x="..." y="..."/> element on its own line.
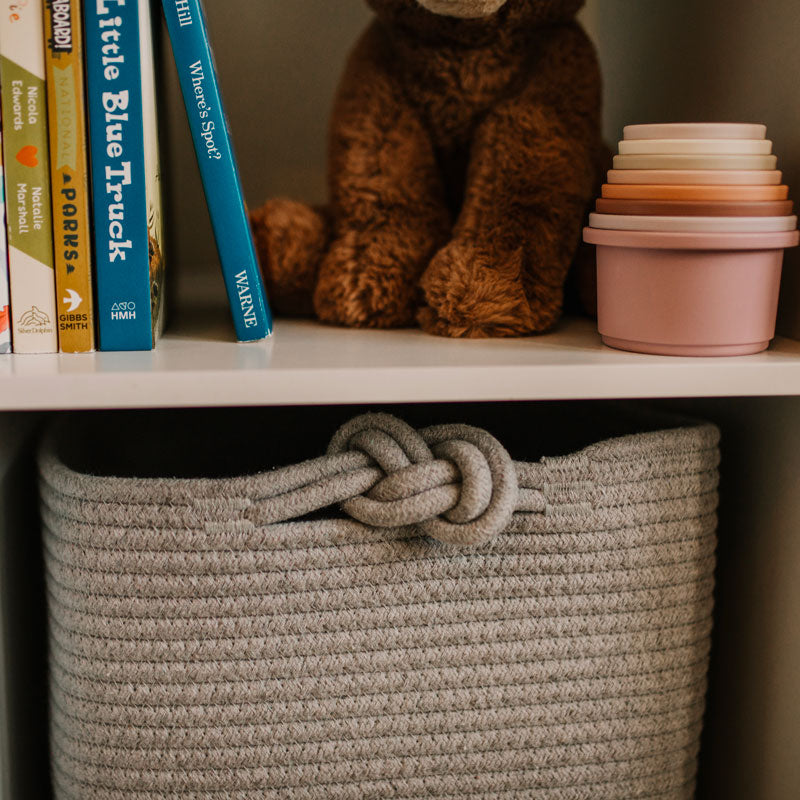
<point x="466" y="626"/>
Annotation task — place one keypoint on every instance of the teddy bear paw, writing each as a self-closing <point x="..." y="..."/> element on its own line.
<point x="362" y="284"/>
<point x="474" y="292"/>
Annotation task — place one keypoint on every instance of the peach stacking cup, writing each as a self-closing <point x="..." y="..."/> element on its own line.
<point x="688" y="294"/>
<point x="712" y="193"/>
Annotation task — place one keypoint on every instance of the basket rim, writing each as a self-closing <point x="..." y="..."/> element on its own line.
<point x="685" y="432"/>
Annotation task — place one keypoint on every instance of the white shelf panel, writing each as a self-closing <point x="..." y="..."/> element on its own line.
<point x="198" y="364"/>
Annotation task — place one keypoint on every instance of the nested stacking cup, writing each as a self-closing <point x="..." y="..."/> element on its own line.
<point x="690" y="233"/>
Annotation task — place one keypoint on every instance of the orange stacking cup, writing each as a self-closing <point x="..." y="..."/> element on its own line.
<point x="696" y="177"/>
<point x="695" y="208"/>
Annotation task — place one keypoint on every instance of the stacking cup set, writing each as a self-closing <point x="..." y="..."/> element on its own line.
<point x="690" y="232"/>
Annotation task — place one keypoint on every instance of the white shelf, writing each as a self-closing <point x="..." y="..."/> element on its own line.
<point x="198" y="364"/>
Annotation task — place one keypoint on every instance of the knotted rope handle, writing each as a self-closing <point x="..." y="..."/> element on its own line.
<point x="454" y="483"/>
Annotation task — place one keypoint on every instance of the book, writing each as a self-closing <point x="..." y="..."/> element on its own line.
<point x="27" y="179"/>
<point x="188" y="33"/>
<point x="5" y="306"/>
<point x="69" y="175"/>
<point x="126" y="175"/>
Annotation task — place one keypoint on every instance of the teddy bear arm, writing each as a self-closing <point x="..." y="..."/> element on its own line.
<point x="388" y="208"/>
<point x="533" y="168"/>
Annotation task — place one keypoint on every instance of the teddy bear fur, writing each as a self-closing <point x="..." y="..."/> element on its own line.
<point x="464" y="150"/>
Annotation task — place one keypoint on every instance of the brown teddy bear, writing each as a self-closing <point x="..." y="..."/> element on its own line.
<point x="465" y="147"/>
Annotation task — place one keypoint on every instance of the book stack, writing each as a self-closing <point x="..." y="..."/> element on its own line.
<point x="82" y="252"/>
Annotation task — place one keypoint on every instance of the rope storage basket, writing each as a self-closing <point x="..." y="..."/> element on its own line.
<point x="415" y="614"/>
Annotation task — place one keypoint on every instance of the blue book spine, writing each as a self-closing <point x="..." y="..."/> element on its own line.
<point x="188" y="32"/>
<point x="115" y="103"/>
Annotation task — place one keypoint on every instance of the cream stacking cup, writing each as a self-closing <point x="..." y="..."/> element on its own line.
<point x="690" y="233"/>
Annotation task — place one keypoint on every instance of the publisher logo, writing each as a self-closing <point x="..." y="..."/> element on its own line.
<point x="123" y="311"/>
<point x="73" y="300"/>
<point x="34" y="320"/>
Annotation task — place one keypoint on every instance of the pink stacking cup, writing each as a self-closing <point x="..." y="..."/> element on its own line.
<point x="688" y="294"/>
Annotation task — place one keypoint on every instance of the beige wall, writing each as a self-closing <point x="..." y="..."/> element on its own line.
<point x="279" y="62"/>
<point x="751" y="747"/>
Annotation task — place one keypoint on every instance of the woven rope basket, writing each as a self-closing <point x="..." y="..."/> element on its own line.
<point x="465" y="626"/>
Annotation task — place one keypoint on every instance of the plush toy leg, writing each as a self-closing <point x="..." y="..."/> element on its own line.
<point x="291" y="239"/>
<point x="532" y="169"/>
<point x="387" y="199"/>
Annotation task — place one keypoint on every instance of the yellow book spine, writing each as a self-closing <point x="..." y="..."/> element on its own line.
<point x="69" y="175"/>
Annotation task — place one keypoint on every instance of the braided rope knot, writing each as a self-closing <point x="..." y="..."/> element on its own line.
<point x="455" y="483"/>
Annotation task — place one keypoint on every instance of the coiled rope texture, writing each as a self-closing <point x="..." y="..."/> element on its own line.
<point x="476" y="627"/>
